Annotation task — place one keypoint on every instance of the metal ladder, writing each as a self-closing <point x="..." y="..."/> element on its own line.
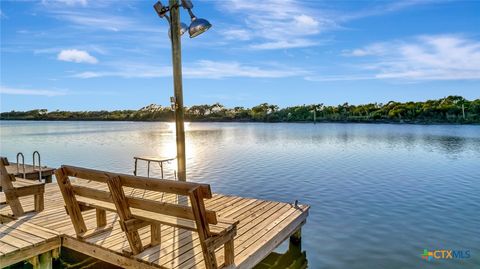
<point x="23" y="163"/>
<point x="36" y="153"/>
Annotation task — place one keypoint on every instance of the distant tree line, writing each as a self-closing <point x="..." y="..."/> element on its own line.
<point x="451" y="109"/>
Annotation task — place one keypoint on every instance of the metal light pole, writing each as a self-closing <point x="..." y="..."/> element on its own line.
<point x="177" y="29"/>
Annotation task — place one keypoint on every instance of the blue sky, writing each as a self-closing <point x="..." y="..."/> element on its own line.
<point x="91" y="55"/>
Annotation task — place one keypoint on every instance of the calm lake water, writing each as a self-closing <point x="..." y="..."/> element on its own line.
<point x="380" y="194"/>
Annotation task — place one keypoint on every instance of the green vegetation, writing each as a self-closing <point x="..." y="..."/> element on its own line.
<point x="452" y="109"/>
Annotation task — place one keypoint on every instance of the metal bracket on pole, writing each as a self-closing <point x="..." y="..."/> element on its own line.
<point x="173" y="103"/>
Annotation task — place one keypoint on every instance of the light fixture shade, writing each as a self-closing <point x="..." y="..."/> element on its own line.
<point x="198" y="26"/>
<point x="183" y="29"/>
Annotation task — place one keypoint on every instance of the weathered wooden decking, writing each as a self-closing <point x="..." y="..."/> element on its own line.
<point x="31" y="172"/>
<point x="21" y="240"/>
<point x="263" y="225"/>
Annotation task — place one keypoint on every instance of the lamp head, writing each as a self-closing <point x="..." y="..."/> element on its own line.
<point x="198" y="26"/>
<point x="160" y="9"/>
<point x="183" y="29"/>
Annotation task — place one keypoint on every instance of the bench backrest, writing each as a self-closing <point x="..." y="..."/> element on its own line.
<point x="196" y="193"/>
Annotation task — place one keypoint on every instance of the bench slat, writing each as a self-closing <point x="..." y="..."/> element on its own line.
<point x="179" y="211"/>
<point x="156" y="217"/>
<point x="92" y="193"/>
<point x="159" y="185"/>
<point x="21" y="182"/>
<point x="29" y="190"/>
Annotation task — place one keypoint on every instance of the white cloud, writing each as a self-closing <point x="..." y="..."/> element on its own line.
<point x="94" y="16"/>
<point x="74" y="2"/>
<point x="203" y="69"/>
<point x="77" y="56"/>
<point x="284" y="24"/>
<point x="90" y="74"/>
<point x="126" y="69"/>
<point x="17" y="91"/>
<point x="237" y="34"/>
<point x="96" y="21"/>
<point x="98" y="17"/>
<point x="383" y="8"/>
<point x="376" y="49"/>
<point x="66" y="2"/>
<point x="339" y="78"/>
<point x="428" y="57"/>
<point x="277" y="24"/>
<point x="307" y="21"/>
<point x="284" y="44"/>
<point x="218" y="70"/>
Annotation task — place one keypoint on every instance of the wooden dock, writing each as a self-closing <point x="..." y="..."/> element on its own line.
<point x="31" y="172"/>
<point x="263" y="225"/>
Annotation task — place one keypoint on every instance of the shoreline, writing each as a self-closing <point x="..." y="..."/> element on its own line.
<point x="449" y="110"/>
<point x="251" y="121"/>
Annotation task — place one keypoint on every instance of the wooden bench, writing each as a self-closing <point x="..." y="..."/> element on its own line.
<point x="14" y="188"/>
<point x="135" y="212"/>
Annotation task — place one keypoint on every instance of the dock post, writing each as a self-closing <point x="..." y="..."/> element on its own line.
<point x="42" y="261"/>
<point x="34" y="261"/>
<point x="45" y="260"/>
<point x="296" y="239"/>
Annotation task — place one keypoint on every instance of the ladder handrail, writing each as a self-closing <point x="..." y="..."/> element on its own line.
<point x="39" y="165"/>
<point x="23" y="163"/>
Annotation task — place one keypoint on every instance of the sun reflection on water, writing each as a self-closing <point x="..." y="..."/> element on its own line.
<point x="167" y="147"/>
